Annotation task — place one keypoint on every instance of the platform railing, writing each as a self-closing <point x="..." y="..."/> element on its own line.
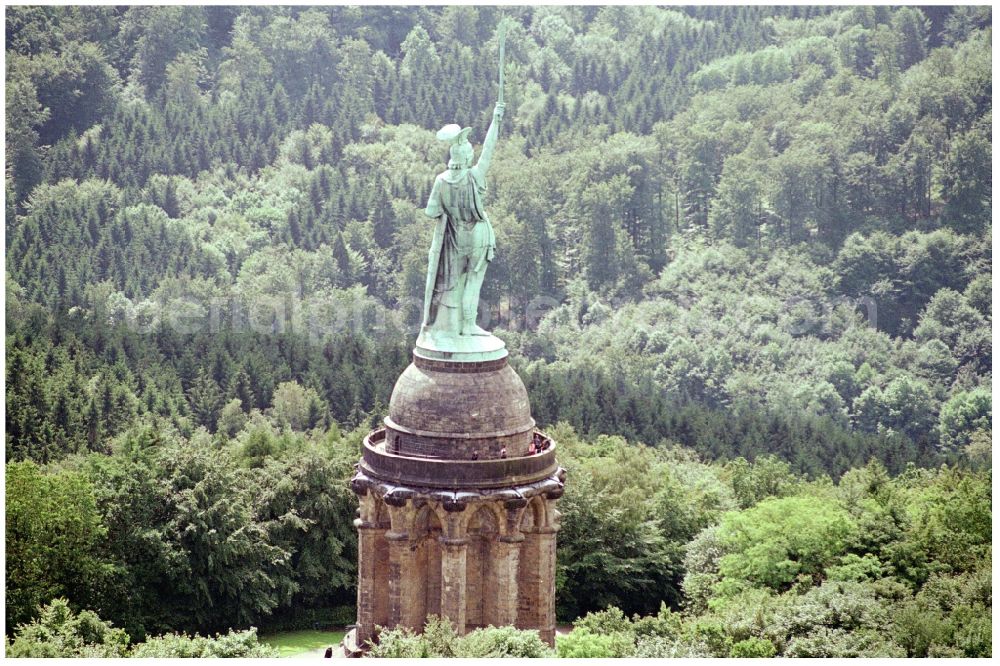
<point x="417" y="447"/>
<point x="381" y="463"/>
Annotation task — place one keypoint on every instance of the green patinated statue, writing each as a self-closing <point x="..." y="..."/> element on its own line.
<point x="463" y="243"/>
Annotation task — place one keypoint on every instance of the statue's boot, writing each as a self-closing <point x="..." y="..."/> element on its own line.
<point x="469" y="327"/>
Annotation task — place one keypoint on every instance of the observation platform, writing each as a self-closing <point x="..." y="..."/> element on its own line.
<point x="381" y="463"/>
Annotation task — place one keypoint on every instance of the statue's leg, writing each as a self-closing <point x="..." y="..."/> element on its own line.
<point x="455" y="311"/>
<point x="448" y="321"/>
<point x="470" y="298"/>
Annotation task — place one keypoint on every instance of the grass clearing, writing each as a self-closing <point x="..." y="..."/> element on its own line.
<point x="294" y="643"/>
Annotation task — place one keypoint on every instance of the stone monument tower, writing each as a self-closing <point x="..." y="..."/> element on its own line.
<point x="458" y="489"/>
<point x="447" y="525"/>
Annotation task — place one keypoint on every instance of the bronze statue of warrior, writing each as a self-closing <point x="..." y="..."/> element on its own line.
<point x="463" y="243"/>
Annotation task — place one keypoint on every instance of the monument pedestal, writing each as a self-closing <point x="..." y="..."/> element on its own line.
<point x="442" y="346"/>
<point x="451" y="486"/>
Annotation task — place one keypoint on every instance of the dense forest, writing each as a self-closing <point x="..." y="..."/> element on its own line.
<point x="743" y="261"/>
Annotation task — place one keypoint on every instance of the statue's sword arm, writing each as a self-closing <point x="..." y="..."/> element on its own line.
<point x="490" y="142"/>
<point x="503" y="44"/>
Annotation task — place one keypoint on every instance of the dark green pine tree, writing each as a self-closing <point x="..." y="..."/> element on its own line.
<point x="206" y="399"/>
<point x="382" y="219"/>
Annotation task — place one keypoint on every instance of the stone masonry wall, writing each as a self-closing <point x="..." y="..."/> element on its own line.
<point x="502" y="572"/>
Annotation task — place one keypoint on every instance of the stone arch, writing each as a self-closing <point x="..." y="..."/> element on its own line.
<point x="484" y="520"/>
<point x="425" y="518"/>
<point x="483" y="530"/>
<point x="400" y="516"/>
<point x="379" y="516"/>
<point x="498" y="521"/>
<point x="534" y="513"/>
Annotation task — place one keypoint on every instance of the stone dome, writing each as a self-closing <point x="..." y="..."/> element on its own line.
<point x="459" y="410"/>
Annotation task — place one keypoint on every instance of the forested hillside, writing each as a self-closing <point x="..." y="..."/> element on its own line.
<point x="731" y="234"/>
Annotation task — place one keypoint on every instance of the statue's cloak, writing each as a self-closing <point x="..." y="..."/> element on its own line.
<point x="454" y="198"/>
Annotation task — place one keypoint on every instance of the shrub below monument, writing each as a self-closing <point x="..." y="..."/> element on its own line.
<point x="503" y="642"/>
<point x="232" y="644"/>
<point x="59" y="633"/>
<point x="584" y="644"/>
<point x="439" y="640"/>
<point x="752" y="648"/>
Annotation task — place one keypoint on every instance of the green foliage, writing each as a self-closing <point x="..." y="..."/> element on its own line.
<point x="701" y="568"/>
<point x="195" y="539"/>
<point x="821" y="133"/>
<point x="778" y="540"/>
<point x="233" y="644"/>
<point x="658" y="647"/>
<point x="582" y="644"/>
<point x="612" y="550"/>
<point x="297" y="407"/>
<point x="53" y="536"/>
<point x="979" y="294"/>
<point x="493" y="642"/>
<point x="949" y="616"/>
<point x="766" y="477"/>
<point x="963" y="415"/>
<point x="856" y="569"/>
<point x="888" y="588"/>
<point x="752" y="648"/>
<point x="231" y="572"/>
<point x="400" y="643"/>
<point x="308" y="508"/>
<point x="611" y="620"/>
<point x="838" y="643"/>
<point x="775" y="373"/>
<point x="58" y="632"/>
<point x="835" y="606"/>
<point x="950" y="521"/>
<point x="610" y="633"/>
<point x="950" y="319"/>
<point x="904" y="405"/>
<point x="440" y="640"/>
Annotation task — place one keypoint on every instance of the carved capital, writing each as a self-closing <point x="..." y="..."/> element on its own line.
<point x="359" y="484"/>
<point x="555" y="493"/>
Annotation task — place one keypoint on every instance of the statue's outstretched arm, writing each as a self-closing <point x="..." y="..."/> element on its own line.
<point x="490" y="143"/>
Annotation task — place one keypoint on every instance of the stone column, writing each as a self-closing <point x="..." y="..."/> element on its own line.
<point x="366" y="580"/>
<point x="404" y="583"/>
<point x="528" y="577"/>
<point x="453" y="553"/>
<point x="504" y="558"/>
<point x="547" y="583"/>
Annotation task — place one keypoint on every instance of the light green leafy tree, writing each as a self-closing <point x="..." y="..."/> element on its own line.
<point x="778" y="540"/>
<point x="963" y="415"/>
<point x="53" y="533"/>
